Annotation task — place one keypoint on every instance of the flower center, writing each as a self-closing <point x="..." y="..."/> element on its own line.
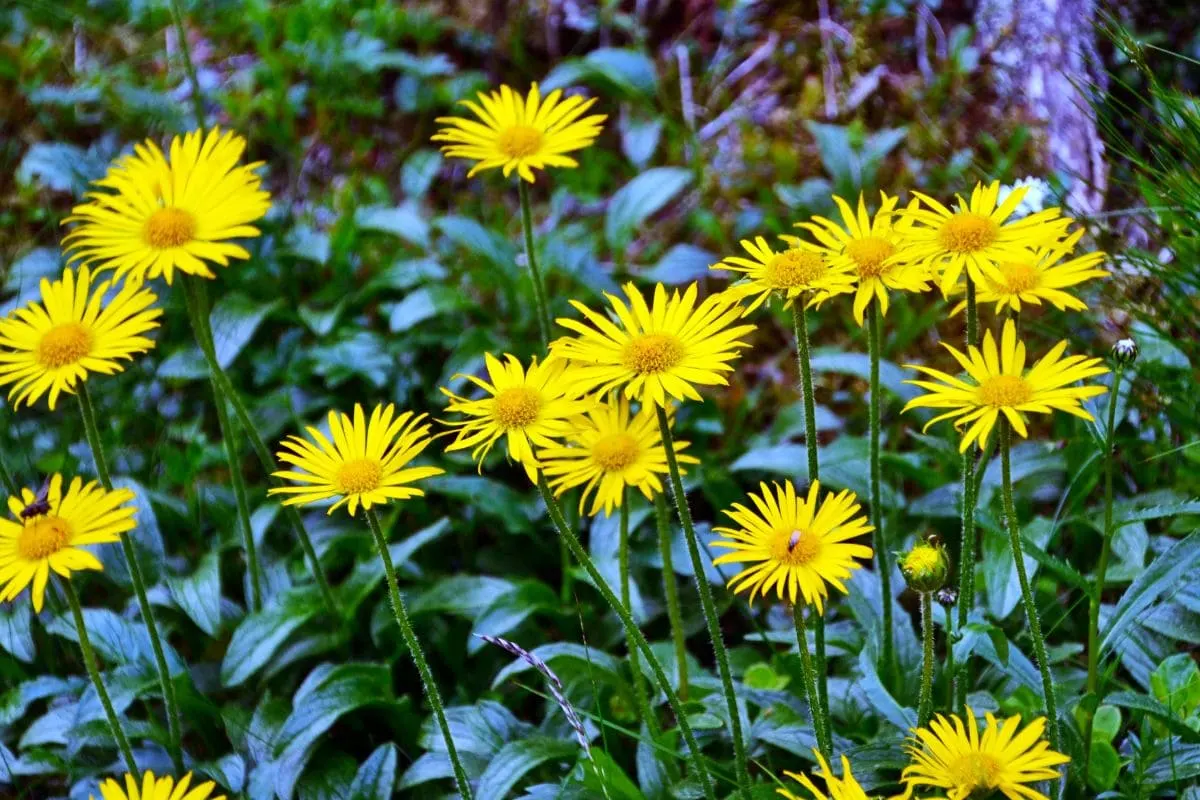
<point x="64" y="344"/>
<point x="361" y="475"/>
<point x="517" y="407"/>
<point x="967" y="232"/>
<point x="869" y="254"/>
<point x="921" y="559"/>
<point x="1019" y="276"/>
<point x="615" y="452"/>
<point x="652" y="353"/>
<point x="42" y="537"/>
<point x="974" y="771"/>
<point x="795" y="547"/>
<point x="519" y="141"/>
<point x="1004" y="390"/>
<point x="169" y="227"/>
<point x="793" y="269"/>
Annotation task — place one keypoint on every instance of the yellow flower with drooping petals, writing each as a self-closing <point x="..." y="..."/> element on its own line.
<point x="799" y="269"/>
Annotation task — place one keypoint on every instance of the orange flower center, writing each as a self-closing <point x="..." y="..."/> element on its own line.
<point x="793" y="269"/>
<point x="1019" y="276"/>
<point x="652" y="353"/>
<point x="64" y="344"/>
<point x="42" y="537"/>
<point x="615" y="452"/>
<point x="869" y="255"/>
<point x="516" y="407"/>
<point x="519" y="141"/>
<point x="974" y="771"/>
<point x="1005" y="390"/>
<point x="169" y="227"/>
<point x="795" y="547"/>
<point x="967" y="232"/>
<point x="360" y="475"/>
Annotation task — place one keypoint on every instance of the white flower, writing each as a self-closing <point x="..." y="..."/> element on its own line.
<point x="1037" y="192"/>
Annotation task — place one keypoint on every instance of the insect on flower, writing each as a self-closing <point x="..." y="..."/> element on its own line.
<point x="41" y="503"/>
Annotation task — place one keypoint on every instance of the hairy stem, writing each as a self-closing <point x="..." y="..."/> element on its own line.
<point x="671" y="590"/>
<point x="925" y="703"/>
<point x="189" y="67"/>
<point x="535" y="273"/>
<point x="639" y="690"/>
<point x="883" y="563"/>
<point x="820" y="721"/>
<point x="966" y="554"/>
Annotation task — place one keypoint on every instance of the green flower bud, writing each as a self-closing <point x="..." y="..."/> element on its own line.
<point x="1125" y="351"/>
<point x="925" y="567"/>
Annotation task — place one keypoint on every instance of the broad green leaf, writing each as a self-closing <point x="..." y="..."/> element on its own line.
<point x="419" y="171"/>
<point x="260" y="634"/>
<point x="1136" y="701"/>
<point x="464" y="595"/>
<point x="376" y="778"/>
<point x="1178" y="765"/>
<point x="16" y="637"/>
<point x="59" y="167"/>
<point x="624" y="70"/>
<point x="422" y="304"/>
<point x="510" y="609"/>
<point x="683" y="263"/>
<point x="1163" y="575"/>
<point x="639" y="138"/>
<point x="146" y="537"/>
<point x="606" y="778"/>
<point x="1107" y="723"/>
<point x="879" y="697"/>
<point x="470" y="235"/>
<point x="361" y="354"/>
<point x="199" y="594"/>
<point x="637" y="200"/>
<point x="1000" y="570"/>
<point x="1176" y="684"/>
<point x="118" y="640"/>
<point x="516" y="759"/>
<point x="404" y="221"/>
<point x="234" y="320"/>
<point x="1104" y="767"/>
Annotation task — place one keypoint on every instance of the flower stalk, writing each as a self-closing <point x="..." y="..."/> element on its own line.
<point x="662" y="516"/>
<point x="639" y="689"/>
<point x="535" y="273"/>
<point x="880" y="541"/>
<point x="820" y="720"/>
<point x="925" y="701"/>
<point x="966" y="556"/>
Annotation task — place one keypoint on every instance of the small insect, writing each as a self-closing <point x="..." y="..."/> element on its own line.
<point x="40" y="504"/>
<point x="793" y="540"/>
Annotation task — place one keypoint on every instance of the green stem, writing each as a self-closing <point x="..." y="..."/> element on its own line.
<point x="632" y="631"/>
<point x="6" y="477"/>
<point x="1102" y="567"/>
<point x="925" y="704"/>
<point x="639" y="691"/>
<point x="967" y="544"/>
<point x="197" y="304"/>
<point x="418" y="655"/>
<point x="883" y="563"/>
<point x="948" y="675"/>
<point x="174" y="728"/>
<point x="1031" y="613"/>
<point x="671" y="591"/>
<point x="820" y="721"/>
<point x="539" y="287"/>
<point x="706" y="603"/>
<point x="93" y="669"/>
<point x="185" y="51"/>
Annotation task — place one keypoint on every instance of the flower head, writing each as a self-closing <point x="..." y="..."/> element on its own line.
<point x="527" y="408"/>
<point x="1125" y="351"/>
<point x="1041" y="275"/>
<point x="977" y="235"/>
<point x="843" y="788"/>
<point x="958" y="760"/>
<point x="796" y="545"/>
<point x="520" y="133"/>
<point x="654" y="351"/>
<point x="998" y="383"/>
<point x="609" y="449"/>
<point x="165" y="214"/>
<point x="153" y="788"/>
<point x="50" y="535"/>
<point x="366" y="463"/>
<point x="871" y="249"/>
<point x="52" y="345"/>
<point x="800" y="268"/>
<point x="925" y="567"/>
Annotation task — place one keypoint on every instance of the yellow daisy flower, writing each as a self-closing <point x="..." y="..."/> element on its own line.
<point x="528" y="408"/>
<point x="367" y="461"/>
<point x="655" y="351"/>
<point x="976" y="236"/>
<point x="843" y="788"/>
<point x="1041" y="275"/>
<point x="520" y="133"/>
<point x="51" y="345"/>
<point x="801" y="268"/>
<point x="49" y="533"/>
<point x="153" y="788"/>
<point x="955" y="758"/>
<point x="870" y="249"/>
<point x="166" y="214"/>
<point x="1000" y="384"/>
<point x="797" y="545"/>
<point x="607" y="450"/>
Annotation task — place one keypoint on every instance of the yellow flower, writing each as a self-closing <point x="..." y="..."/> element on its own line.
<point x="925" y="567"/>
<point x="797" y="545"/>
<point x="528" y="408"/>
<point x="801" y="268"/>
<point x="520" y="133"/>
<point x="844" y="788"/>
<point x="156" y="789"/>
<point x="608" y="450"/>
<point x="1041" y="275"/>
<point x="52" y="345"/>
<point x="958" y="760"/>
<point x="655" y="351"/>
<point x="870" y="249"/>
<point x="367" y="462"/>
<point x="976" y="235"/>
<point x="51" y="535"/>
<point x="162" y="215"/>
<point x="1000" y="384"/>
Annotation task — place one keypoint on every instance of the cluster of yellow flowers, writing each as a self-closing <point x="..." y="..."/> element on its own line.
<point x="595" y="412"/>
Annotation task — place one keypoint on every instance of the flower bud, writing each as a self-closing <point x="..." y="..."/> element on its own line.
<point x="1125" y="351"/>
<point x="947" y="597"/>
<point x="925" y="567"/>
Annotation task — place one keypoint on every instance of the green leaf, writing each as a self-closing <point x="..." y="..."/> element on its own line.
<point x="1000" y="570"/>
<point x="234" y="320"/>
<point x="1104" y="767"/>
<point x="199" y="594"/>
<point x="1106" y="724"/>
<point x="1135" y="701"/>
<point x="16" y="637"/>
<point x="1176" y="684"/>
<point x="404" y="221"/>
<point x="1165" y="574"/>
<point x="419" y="171"/>
<point x="624" y="70"/>
<point x="470" y="235"/>
<point x="361" y="354"/>
<point x="146" y="537"/>
<point x="517" y="758"/>
<point x="589" y="658"/>
<point x="465" y="595"/>
<point x="891" y="376"/>
<point x="510" y="609"/>
<point x="683" y="263"/>
<point x="376" y="778"/>
<point x="422" y="304"/>
<point x="637" y="200"/>
<point x="261" y="633"/>
<point x="118" y="640"/>
<point x="605" y="778"/>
